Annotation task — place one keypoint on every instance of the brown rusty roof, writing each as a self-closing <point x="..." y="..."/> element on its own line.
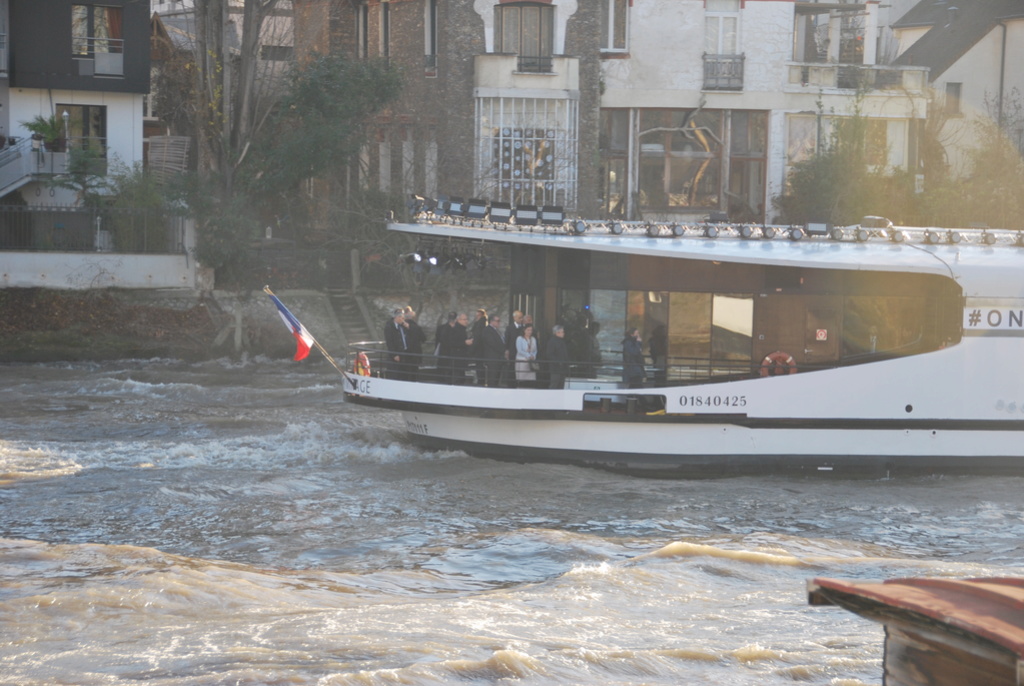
<point x="991" y="608"/>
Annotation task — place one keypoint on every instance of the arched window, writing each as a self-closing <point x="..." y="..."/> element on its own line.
<point x="526" y="29"/>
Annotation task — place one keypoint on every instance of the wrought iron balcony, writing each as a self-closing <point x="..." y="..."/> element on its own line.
<point x="723" y="72"/>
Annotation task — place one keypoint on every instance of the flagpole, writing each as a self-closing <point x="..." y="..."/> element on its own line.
<point x="316" y="343"/>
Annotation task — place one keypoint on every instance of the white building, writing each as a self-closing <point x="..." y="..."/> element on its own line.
<point x="707" y="104"/>
<point x="974" y="50"/>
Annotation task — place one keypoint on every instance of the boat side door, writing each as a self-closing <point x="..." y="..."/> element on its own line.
<point x="822" y="323"/>
<point x="807" y="327"/>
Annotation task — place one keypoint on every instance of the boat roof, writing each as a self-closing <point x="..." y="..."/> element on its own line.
<point x="991" y="608"/>
<point x="985" y="262"/>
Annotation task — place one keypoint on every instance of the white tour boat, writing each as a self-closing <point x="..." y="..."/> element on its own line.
<point x="859" y="350"/>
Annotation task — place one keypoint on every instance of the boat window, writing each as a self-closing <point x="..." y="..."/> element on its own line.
<point x="732" y="328"/>
<point x="884" y="324"/>
<point x="608" y="309"/>
<point x="580" y="329"/>
<point x="689" y="328"/>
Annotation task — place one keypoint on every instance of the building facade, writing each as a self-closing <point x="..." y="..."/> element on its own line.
<point x="974" y="52"/>
<point x="639" y="109"/>
<point x="84" y="62"/>
<point x="501" y="99"/>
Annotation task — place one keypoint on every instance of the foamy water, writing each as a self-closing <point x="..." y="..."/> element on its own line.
<point x="237" y="523"/>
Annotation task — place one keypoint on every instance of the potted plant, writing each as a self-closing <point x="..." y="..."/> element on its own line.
<point x="49" y="129"/>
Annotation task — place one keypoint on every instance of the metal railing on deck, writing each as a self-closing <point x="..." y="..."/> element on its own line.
<point x="582" y="374"/>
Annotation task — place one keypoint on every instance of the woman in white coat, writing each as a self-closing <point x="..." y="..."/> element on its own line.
<point x="526" y="357"/>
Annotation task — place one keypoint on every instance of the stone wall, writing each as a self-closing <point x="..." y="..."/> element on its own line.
<point x="50" y="325"/>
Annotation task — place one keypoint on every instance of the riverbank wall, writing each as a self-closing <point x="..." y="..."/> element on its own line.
<point x="52" y="325"/>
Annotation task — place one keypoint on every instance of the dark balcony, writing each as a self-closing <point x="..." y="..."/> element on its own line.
<point x="99" y="56"/>
<point x="723" y="72"/>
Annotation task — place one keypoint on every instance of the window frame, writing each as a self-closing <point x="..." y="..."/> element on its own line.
<point x="716" y="18"/>
<point x="86" y="18"/>
<point x="535" y="45"/>
<point x="82" y="119"/>
<point x="430" y="37"/>
<point x="385" y="29"/>
<point x="612" y="13"/>
<point x="362" y="18"/>
<point x="952" y="106"/>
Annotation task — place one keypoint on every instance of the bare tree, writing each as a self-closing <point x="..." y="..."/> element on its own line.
<point x="236" y="89"/>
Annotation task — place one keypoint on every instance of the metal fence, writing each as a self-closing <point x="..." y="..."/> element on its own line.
<point x="89" y="229"/>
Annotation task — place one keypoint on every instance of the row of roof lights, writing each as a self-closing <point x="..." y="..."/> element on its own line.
<point x="503" y="216"/>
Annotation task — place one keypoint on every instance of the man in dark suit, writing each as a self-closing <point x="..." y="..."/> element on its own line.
<point x="476" y="350"/>
<point x="414" y="339"/>
<point x="494" y="352"/>
<point x="454" y="348"/>
<point x="397" y="342"/>
<point x="513" y="331"/>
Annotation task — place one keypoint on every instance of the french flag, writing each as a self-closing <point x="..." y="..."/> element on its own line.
<point x="303" y="338"/>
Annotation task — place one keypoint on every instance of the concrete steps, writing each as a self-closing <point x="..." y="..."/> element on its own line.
<point x="353" y="317"/>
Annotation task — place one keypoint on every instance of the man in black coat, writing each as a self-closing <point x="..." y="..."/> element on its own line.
<point x="556" y="357"/>
<point x="397" y="342"/>
<point x="454" y="348"/>
<point x="513" y="331"/>
<point x="476" y="350"/>
<point x="494" y="352"/>
<point x="415" y="338"/>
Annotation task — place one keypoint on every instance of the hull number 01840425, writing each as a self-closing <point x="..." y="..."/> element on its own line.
<point x="713" y="401"/>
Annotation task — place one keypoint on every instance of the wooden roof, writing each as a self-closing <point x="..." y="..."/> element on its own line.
<point x="991" y="609"/>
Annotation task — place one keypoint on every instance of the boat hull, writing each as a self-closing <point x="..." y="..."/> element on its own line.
<point x="714" y="449"/>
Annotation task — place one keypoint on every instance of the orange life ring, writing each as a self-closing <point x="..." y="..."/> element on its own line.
<point x="777" y="364"/>
<point x="362" y="365"/>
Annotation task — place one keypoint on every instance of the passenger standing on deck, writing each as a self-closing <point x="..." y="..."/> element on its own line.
<point x="415" y="338"/>
<point x="541" y="369"/>
<point x="526" y="358"/>
<point x="455" y="345"/>
<point x="494" y="352"/>
<point x="556" y="357"/>
<point x="512" y="333"/>
<point x="632" y="359"/>
<point x="476" y="350"/>
<point x="528" y="321"/>
<point x="396" y="342"/>
<point x="462" y="344"/>
<point x="443" y="349"/>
